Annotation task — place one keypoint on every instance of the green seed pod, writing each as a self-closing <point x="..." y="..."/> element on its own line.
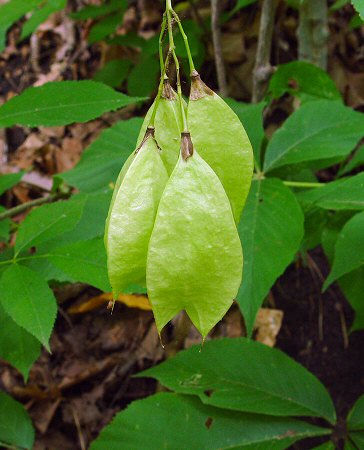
<point x="168" y="126"/>
<point x="195" y="257"/>
<point x="132" y="215"/>
<point x="221" y="140"/>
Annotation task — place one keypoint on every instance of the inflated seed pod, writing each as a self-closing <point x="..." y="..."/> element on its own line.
<point x="168" y="126"/>
<point x="132" y="215"/>
<point x="195" y="257"/>
<point x="221" y="140"/>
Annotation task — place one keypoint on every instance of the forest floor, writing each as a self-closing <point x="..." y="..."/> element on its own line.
<point x="75" y="391"/>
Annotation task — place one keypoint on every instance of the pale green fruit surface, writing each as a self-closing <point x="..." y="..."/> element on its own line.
<point x="222" y="141"/>
<point x="132" y="217"/>
<point x="195" y="257"/>
<point x="168" y="127"/>
<point x="118" y="182"/>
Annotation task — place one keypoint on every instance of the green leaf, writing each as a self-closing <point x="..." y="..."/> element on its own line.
<point x="62" y="103"/>
<point x="94" y="12"/>
<point x="357" y="438"/>
<point x="138" y="82"/>
<point x="90" y="226"/>
<point x="271" y="230"/>
<point x="359" y="6"/>
<point x="10" y="12"/>
<point x="356" y="161"/>
<point x="251" y="116"/>
<point x="325" y="446"/>
<point x="84" y="262"/>
<point x="9" y="180"/>
<point x="355" y="22"/>
<point x="17" y="346"/>
<point x="105" y="27"/>
<point x="193" y="426"/>
<point x="48" y="221"/>
<point x="339" y="4"/>
<point x="350" y="446"/>
<point x="102" y="160"/>
<point x="244" y="375"/>
<point x="315" y="222"/>
<point x="113" y="73"/>
<point x="300" y="77"/>
<point x="319" y="130"/>
<point x="28" y="300"/>
<point x="240" y="4"/>
<point x="349" y="249"/>
<point x="339" y="195"/>
<point x="351" y="284"/>
<point x="15" y="425"/>
<point x="356" y="424"/>
<point x="41" y="14"/>
<point x="356" y="416"/>
<point x="47" y="270"/>
<point x="128" y="40"/>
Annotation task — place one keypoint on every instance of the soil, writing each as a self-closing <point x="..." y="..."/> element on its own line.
<point x="316" y="333"/>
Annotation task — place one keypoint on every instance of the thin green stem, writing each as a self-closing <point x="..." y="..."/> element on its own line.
<point x="303" y="184"/>
<point x="185" y="40"/>
<point x="161" y="39"/>
<point x="160" y="90"/>
<point x="24" y="206"/>
<point x="172" y="50"/>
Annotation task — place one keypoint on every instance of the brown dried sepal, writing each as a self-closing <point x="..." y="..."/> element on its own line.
<point x="168" y="93"/>
<point x="186" y="145"/>
<point x="198" y="88"/>
<point x="149" y="132"/>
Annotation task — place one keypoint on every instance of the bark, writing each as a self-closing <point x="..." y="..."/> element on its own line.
<point x="216" y="37"/>
<point x="313" y="32"/>
<point x="263" y="69"/>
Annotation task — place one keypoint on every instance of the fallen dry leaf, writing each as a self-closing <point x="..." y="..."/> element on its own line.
<point x="130" y="300"/>
<point x="267" y="325"/>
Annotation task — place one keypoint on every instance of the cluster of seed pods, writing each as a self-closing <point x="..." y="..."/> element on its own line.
<point x="172" y="219"/>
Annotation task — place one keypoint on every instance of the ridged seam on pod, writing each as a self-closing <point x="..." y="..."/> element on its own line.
<point x="195" y="257"/>
<point x="168" y="126"/>
<point x="221" y="140"/>
<point x="132" y="215"/>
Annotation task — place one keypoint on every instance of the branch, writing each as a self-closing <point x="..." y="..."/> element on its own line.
<point x="24" y="206"/>
<point x="216" y="37"/>
<point x="313" y="33"/>
<point x="263" y="69"/>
